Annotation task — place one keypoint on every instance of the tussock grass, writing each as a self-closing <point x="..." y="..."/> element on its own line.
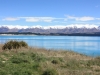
<point x="40" y="61"/>
<point x="14" y="45"/>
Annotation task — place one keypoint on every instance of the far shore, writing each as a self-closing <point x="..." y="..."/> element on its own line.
<point x="51" y="34"/>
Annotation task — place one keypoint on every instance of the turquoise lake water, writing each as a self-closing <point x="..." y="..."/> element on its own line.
<point x="87" y="45"/>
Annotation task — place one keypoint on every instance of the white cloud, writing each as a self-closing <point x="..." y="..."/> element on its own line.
<point x="50" y="19"/>
<point x="85" y="18"/>
<point x="37" y="19"/>
<point x="32" y="19"/>
<point x="10" y="19"/>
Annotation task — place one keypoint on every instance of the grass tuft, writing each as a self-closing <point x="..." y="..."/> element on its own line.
<point x="50" y="72"/>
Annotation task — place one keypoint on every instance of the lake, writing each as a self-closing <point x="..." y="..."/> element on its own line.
<point x="87" y="45"/>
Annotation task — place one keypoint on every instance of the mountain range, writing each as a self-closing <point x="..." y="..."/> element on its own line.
<point x="65" y="30"/>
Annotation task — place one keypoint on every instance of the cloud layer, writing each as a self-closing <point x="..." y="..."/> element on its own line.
<point x="10" y="19"/>
<point x="85" y="18"/>
<point x="53" y="19"/>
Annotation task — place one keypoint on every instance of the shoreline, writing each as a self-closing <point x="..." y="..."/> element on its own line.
<point x="36" y="61"/>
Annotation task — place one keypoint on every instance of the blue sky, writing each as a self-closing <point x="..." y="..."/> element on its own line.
<point x="49" y="12"/>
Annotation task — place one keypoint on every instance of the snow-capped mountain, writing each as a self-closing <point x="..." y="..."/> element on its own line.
<point x="51" y="29"/>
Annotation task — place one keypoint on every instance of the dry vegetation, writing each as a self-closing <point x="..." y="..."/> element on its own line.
<point x="40" y="61"/>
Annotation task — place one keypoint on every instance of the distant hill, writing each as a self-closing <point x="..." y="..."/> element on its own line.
<point x="41" y="30"/>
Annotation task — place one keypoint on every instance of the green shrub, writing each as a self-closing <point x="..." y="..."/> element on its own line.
<point x="23" y="44"/>
<point x="55" y="61"/>
<point x="14" y="45"/>
<point x="17" y="60"/>
<point x="37" y="58"/>
<point x="50" y="72"/>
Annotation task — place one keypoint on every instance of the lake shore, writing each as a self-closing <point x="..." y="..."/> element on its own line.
<point x="82" y="44"/>
<point x="38" y="61"/>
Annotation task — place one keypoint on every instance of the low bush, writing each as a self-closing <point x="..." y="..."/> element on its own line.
<point x="50" y="72"/>
<point x="23" y="44"/>
<point x="14" y="45"/>
<point x="55" y="61"/>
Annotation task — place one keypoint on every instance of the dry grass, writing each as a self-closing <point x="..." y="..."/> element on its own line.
<point x="67" y="62"/>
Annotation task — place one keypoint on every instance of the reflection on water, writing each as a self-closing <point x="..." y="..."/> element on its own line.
<point x="86" y="45"/>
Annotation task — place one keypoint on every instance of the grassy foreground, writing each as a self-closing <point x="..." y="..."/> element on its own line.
<point x="39" y="61"/>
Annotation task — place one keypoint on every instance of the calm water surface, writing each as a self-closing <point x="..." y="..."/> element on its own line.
<point x="82" y="44"/>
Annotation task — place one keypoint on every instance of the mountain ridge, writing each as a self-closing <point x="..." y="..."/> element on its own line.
<point x="52" y="29"/>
